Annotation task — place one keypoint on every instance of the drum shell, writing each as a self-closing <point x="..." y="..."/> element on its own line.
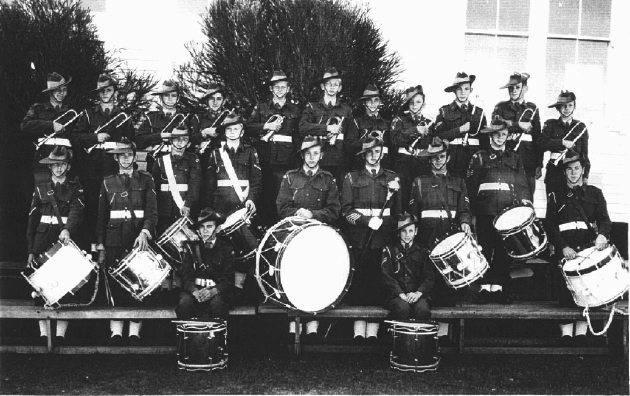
<point x="524" y="241"/>
<point x="462" y="264"/>
<point x="140" y="272"/>
<point x="174" y="241"/>
<point x="202" y="346"/>
<point x="415" y="349"/>
<point x="598" y="284"/>
<point x="244" y="235"/>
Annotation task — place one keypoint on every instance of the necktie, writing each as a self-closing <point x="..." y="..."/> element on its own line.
<point x="464" y="108"/>
<point x="277" y="106"/>
<point x="309" y="173"/>
<point x="106" y="112"/>
<point x="330" y="105"/>
<point x="126" y="181"/>
<point x="208" y="244"/>
<point x="168" y="115"/>
<point x="373" y="172"/>
<point x="57" y="108"/>
<point x="407" y="246"/>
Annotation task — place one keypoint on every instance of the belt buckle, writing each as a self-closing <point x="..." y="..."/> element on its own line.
<point x="399" y="256"/>
<point x="124" y="194"/>
<point x="50" y="192"/>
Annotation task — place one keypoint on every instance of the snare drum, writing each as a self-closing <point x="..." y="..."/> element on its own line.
<point x="414" y="346"/>
<point x="201" y="345"/>
<point x="523" y="234"/>
<point x="297" y="274"/>
<point x="173" y="242"/>
<point x="62" y="269"/>
<point x="243" y="231"/>
<point x="596" y="277"/>
<point x="458" y="258"/>
<point x="140" y="272"/>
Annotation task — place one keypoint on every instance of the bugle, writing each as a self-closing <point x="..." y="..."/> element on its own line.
<point x="273" y="118"/>
<point x="127" y="118"/>
<point x="518" y="143"/>
<point x="564" y="152"/>
<point x="204" y="145"/>
<point x="334" y="121"/>
<point x="411" y="147"/>
<point x="43" y="141"/>
<point x="156" y="152"/>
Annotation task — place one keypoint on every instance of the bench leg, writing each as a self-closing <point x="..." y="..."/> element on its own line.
<point x="49" y="328"/>
<point x="624" y="338"/>
<point x="460" y="342"/>
<point x="297" y="348"/>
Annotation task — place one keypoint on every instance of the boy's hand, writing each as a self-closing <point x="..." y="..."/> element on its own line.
<point x="465" y="128"/>
<point x="64" y="237"/>
<point x="57" y="127"/>
<point x="102" y="137"/>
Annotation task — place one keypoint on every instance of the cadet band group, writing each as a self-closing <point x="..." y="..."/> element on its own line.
<point x="309" y="207"/>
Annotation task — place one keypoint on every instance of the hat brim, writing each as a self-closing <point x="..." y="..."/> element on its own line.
<point x="162" y="92"/>
<point x="110" y="84"/>
<point x="300" y="151"/>
<point x="48" y="161"/>
<point x="68" y="81"/>
<point x="368" y="97"/>
<point x="365" y="150"/>
<point x="223" y="126"/>
<point x="212" y="217"/>
<point x="493" y="128"/>
<point x="120" y="151"/>
<point x="425" y="153"/>
<point x="510" y="84"/>
<point x="208" y="94"/>
<point x="560" y="104"/>
<point x="471" y="79"/>
<point x="278" y="80"/>
<point x="323" y="80"/>
<point x="406" y="225"/>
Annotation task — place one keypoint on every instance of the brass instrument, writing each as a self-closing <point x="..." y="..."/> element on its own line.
<point x="564" y="152"/>
<point x="518" y="143"/>
<point x="204" y="145"/>
<point x="334" y="121"/>
<point x="127" y="118"/>
<point x="273" y="118"/>
<point x="412" y="147"/>
<point x="43" y="141"/>
<point x="156" y="152"/>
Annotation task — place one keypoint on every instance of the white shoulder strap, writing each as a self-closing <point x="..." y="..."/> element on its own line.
<point x="172" y="184"/>
<point x="229" y="168"/>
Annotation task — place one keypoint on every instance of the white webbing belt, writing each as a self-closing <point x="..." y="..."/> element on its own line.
<point x="48" y="219"/>
<point x="282" y="138"/>
<point x="106" y="146"/>
<point x="436" y="213"/>
<point x="555" y="156"/>
<point x="180" y="187"/>
<point x="573" y="225"/>
<point x="204" y="282"/>
<point x="494" y="186"/>
<point x="228" y="183"/>
<point x="373" y="212"/>
<point x="234" y="181"/>
<point x="125" y="214"/>
<point x="172" y="184"/>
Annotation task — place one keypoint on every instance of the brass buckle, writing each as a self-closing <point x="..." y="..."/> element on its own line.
<point x="50" y="192"/>
<point x="124" y="194"/>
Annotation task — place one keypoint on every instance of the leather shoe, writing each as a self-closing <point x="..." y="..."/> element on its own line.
<point x="115" y="340"/>
<point x="483" y="297"/>
<point x="134" y="340"/>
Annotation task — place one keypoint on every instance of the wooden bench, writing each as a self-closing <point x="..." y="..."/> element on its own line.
<point x="548" y="310"/>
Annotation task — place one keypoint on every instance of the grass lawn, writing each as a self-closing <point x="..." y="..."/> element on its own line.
<point x="280" y="373"/>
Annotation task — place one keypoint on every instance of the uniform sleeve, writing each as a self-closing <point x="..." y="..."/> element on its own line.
<point x="392" y="288"/>
<point x="352" y="216"/>
<point x="473" y="178"/>
<point x="156" y="173"/>
<point x="428" y="274"/>
<point x="34" y="216"/>
<point x="604" y="224"/>
<point x="255" y="177"/>
<point x="77" y="209"/>
<point x="284" y="201"/>
<point x="521" y="188"/>
<point x="146" y="136"/>
<point x="546" y="141"/>
<point x="477" y="121"/>
<point x="441" y="130"/>
<point x="82" y="134"/>
<point x="353" y="140"/>
<point x="211" y="180"/>
<point x="309" y="125"/>
<point x="255" y="124"/>
<point x="330" y="212"/>
<point x="587" y="161"/>
<point x="397" y="204"/>
<point x="195" y="135"/>
<point x="194" y="183"/>
<point x="226" y="279"/>
<point x="402" y="136"/>
<point x="103" y="215"/>
<point x="150" y="210"/>
<point x="415" y="200"/>
<point x="536" y="133"/>
<point x="463" y="205"/>
<point x="553" y="224"/>
<point x="188" y="271"/>
<point x="32" y="125"/>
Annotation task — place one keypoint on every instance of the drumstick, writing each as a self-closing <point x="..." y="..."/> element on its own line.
<point x="368" y="239"/>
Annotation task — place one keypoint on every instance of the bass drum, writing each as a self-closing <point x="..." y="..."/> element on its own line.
<point x="304" y="264"/>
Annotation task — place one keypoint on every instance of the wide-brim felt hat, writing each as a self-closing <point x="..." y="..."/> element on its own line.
<point x="310" y="142"/>
<point x="516" y="78"/>
<point x="411" y="92"/>
<point x="330" y="74"/>
<point x="212" y="89"/>
<point x="436" y="147"/>
<point x="167" y="86"/>
<point x="564" y="98"/>
<point x="55" y="80"/>
<point x="277" y="76"/>
<point x="104" y="81"/>
<point x="232" y="119"/>
<point x="371" y="91"/>
<point x="404" y="220"/>
<point x="460" y="78"/>
<point x="496" y="126"/>
<point x="58" y="155"/>
<point x="369" y="144"/>
<point x="123" y="147"/>
<point x="570" y="157"/>
<point x="205" y="215"/>
<point x="180" y="130"/>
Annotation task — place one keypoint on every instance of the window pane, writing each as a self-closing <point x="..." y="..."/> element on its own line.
<point x="481" y="14"/>
<point x="512" y="53"/>
<point x="592" y="53"/>
<point x="559" y="54"/>
<point x="596" y="18"/>
<point x="514" y="15"/>
<point x="478" y="49"/>
<point x="563" y="16"/>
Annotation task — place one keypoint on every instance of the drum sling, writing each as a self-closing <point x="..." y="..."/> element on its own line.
<point x="229" y="168"/>
<point x="573" y="200"/>
<point x="432" y="239"/>
<point x="172" y="184"/>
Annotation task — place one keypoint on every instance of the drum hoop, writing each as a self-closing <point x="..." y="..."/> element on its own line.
<point x="203" y="367"/>
<point x="454" y="249"/>
<point x="113" y="272"/>
<point x="600" y="264"/>
<point x="534" y="252"/>
<point x="238" y="224"/>
<point x="513" y="230"/>
<point x="416" y="369"/>
<point x="465" y="281"/>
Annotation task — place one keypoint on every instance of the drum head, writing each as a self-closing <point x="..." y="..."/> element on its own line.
<point x="449" y="244"/>
<point x="513" y="218"/>
<point x="315" y="268"/>
<point x="235" y="219"/>
<point x="586" y="259"/>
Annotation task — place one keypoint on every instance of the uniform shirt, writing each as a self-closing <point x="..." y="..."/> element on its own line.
<point x="528" y="148"/>
<point x="317" y="193"/>
<point x="38" y="123"/>
<point x="554" y="132"/>
<point x="405" y="132"/>
<point x="277" y="150"/>
<point x="562" y="211"/>
<point x="219" y="190"/>
<point x="407" y="270"/>
<point x="496" y="168"/>
<point x="313" y="122"/>
<point x="115" y="226"/>
<point x="217" y="264"/>
<point x="43" y="227"/>
<point x="361" y="192"/>
<point x="206" y="120"/>
<point x="425" y="201"/>
<point x="451" y="117"/>
<point x="149" y="132"/>
<point x="358" y="132"/>
<point x="187" y="173"/>
<point x="97" y="163"/>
